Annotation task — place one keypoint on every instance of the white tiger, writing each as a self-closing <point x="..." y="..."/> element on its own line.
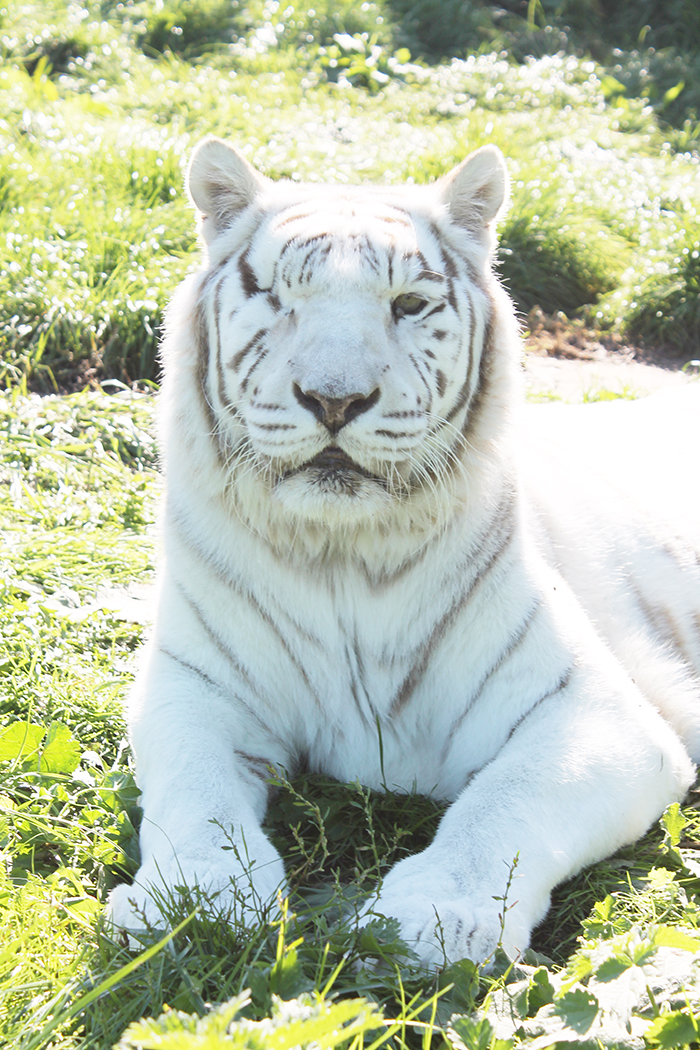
<point x="350" y="551"/>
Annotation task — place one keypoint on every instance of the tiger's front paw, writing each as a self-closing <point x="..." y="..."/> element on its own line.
<point x="443" y="921"/>
<point x="160" y="894"/>
<point x="442" y="931"/>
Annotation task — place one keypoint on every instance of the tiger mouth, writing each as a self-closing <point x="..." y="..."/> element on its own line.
<point x="334" y="461"/>
<point x="333" y="467"/>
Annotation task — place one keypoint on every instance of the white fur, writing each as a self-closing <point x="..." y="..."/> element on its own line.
<point x="299" y="607"/>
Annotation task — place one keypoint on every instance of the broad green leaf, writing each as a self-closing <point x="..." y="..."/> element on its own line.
<point x="674" y="822"/>
<point x="61" y="752"/>
<point x="119" y="790"/>
<point x="579" y="967"/>
<point x="613" y="967"/>
<point x="464" y="978"/>
<point x="475" y="1034"/>
<point x="287" y="979"/>
<point x="540" y="991"/>
<point x="84" y="911"/>
<point x="578" y="1008"/>
<point x="20" y="742"/>
<point x="601" y="921"/>
<point x="675" y="1029"/>
<point x="323" y="1024"/>
<point x="660" y="878"/>
<point x="668" y="937"/>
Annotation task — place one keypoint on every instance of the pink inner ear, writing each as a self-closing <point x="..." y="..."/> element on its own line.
<point x="221" y="182"/>
<point x="477" y="189"/>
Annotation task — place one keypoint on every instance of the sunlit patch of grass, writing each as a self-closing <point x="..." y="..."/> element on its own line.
<point x="548" y="259"/>
<point x="541" y="396"/>
<point x="666" y="307"/>
<point x="624" y="393"/>
<point x="95" y="231"/>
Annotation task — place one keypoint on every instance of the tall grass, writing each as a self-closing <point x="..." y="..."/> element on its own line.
<point x="95" y="232"/>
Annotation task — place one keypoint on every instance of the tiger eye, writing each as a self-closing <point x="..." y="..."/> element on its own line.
<point x="407" y="304"/>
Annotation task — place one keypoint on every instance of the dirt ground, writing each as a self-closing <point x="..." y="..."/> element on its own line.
<point x="576" y="380"/>
<point x="573" y="363"/>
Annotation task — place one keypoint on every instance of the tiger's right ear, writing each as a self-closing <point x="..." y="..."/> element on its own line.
<point x="476" y="191"/>
<point x="222" y="184"/>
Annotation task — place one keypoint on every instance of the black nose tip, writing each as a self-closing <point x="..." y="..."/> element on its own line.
<point x="335" y="412"/>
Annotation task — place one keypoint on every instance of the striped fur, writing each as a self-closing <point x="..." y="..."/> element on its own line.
<point x="351" y="560"/>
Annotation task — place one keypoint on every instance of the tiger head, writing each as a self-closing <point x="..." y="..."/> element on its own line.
<point x="346" y="339"/>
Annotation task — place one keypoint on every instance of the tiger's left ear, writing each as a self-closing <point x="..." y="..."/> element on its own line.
<point x="222" y="184"/>
<point x="476" y="190"/>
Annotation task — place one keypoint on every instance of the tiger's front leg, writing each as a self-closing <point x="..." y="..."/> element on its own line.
<point x="580" y="777"/>
<point x="202" y="765"/>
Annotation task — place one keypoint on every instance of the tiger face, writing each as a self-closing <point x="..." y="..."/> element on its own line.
<point x="343" y="334"/>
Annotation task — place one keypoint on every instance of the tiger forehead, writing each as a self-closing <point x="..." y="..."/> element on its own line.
<point x="355" y="238"/>
<point x="341" y="214"/>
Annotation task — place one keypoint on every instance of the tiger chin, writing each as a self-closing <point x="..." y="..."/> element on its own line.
<point x="368" y="537"/>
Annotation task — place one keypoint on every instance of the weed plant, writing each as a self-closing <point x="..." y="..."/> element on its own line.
<point x="77" y="495"/>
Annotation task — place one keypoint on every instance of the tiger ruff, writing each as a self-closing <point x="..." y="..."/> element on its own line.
<point x="348" y="556"/>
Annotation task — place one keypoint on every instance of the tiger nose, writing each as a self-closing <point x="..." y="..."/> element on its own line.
<point x="335" y="412"/>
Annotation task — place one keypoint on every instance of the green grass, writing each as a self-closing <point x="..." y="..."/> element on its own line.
<point x="77" y="496"/>
<point x="101" y="107"/>
<point x="100" y="112"/>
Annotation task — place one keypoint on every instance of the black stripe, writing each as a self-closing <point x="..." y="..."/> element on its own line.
<point x="472" y="273"/>
<point x="292" y="218"/>
<point x="465" y="394"/>
<point x="259" y="767"/>
<point x="212" y="561"/>
<point x="369" y="251"/>
<point x="395" y="434"/>
<point x="512" y="644"/>
<point x="425" y="382"/>
<point x="215" y="638"/>
<point x="664" y="625"/>
<point x="359" y="678"/>
<point x="435" y="310"/>
<point x="224" y="399"/>
<point x="299" y="241"/>
<point x="259" y="357"/>
<point x="247" y="275"/>
<point x="431" y="275"/>
<point x="563" y="682"/>
<point x="323" y="251"/>
<point x="355" y="682"/>
<point x="274" y="426"/>
<point x="483" y="386"/>
<point x="235" y="664"/>
<point x="420" y="666"/>
<point x="197" y="671"/>
<point x="201" y="336"/>
<point x="236" y="360"/>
